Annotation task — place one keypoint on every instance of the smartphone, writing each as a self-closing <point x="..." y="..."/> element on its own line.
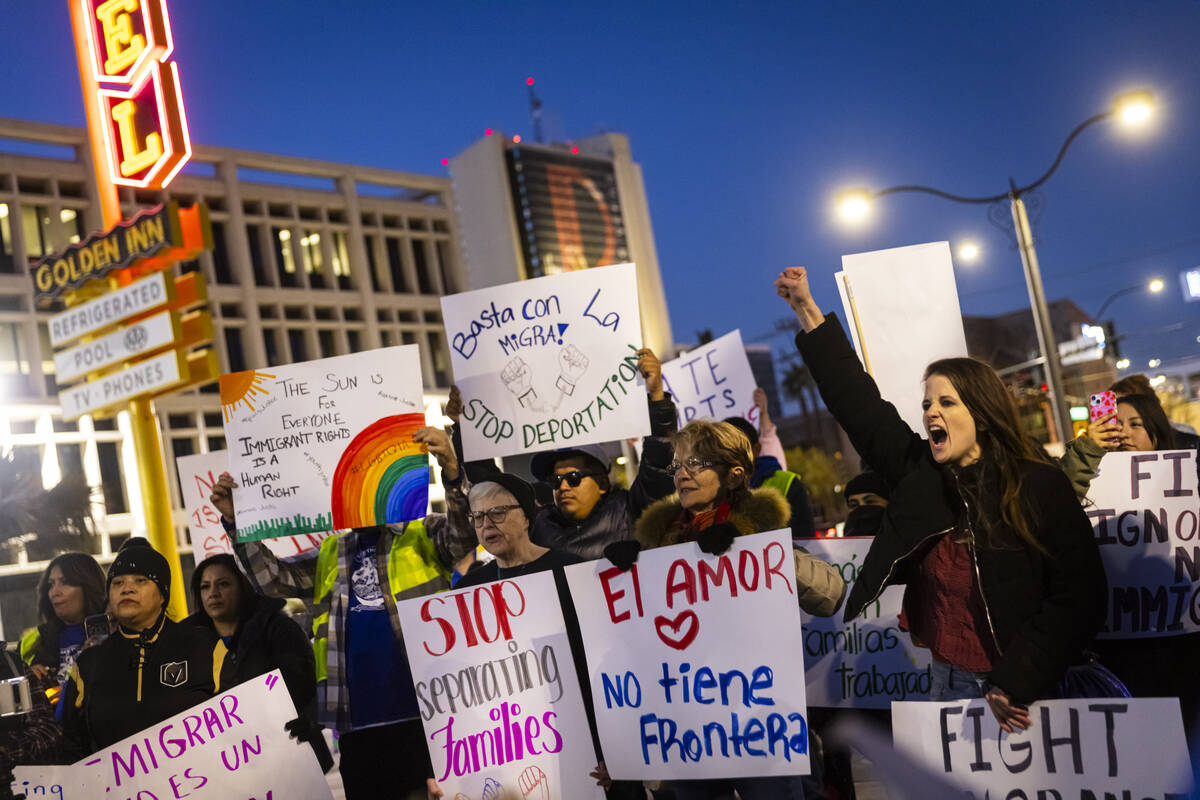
<point x="1102" y="405"/>
<point x="95" y="626"/>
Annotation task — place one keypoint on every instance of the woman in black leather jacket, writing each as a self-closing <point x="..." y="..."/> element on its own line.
<point x="1004" y="581"/>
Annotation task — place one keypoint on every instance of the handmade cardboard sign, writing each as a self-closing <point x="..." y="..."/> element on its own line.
<point x="197" y="476"/>
<point x="694" y="661"/>
<point x="713" y="381"/>
<point x="902" y="311"/>
<point x="866" y="663"/>
<point x="63" y="783"/>
<point x="1144" y="510"/>
<point x="548" y="363"/>
<point x="233" y="745"/>
<point x="328" y="444"/>
<point x="497" y="691"/>
<point x="1089" y="748"/>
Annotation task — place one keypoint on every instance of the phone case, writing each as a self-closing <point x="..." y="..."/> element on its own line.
<point x="1102" y="404"/>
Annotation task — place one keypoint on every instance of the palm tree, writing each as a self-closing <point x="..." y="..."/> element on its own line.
<point x="799" y="385"/>
<point x="48" y="521"/>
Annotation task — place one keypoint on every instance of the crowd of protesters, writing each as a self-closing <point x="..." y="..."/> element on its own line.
<point x="1002" y="577"/>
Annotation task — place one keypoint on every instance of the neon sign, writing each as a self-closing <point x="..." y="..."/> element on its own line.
<point x="145" y="131"/>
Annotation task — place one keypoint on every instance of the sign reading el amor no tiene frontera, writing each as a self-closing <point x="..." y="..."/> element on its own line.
<point x="866" y="663"/>
<point x="1145" y="513"/>
<point x="713" y="381"/>
<point x="232" y="746"/>
<point x="327" y="444"/>
<point x="1077" y="749"/>
<point x="695" y="660"/>
<point x="549" y="362"/>
<point x="497" y="691"/>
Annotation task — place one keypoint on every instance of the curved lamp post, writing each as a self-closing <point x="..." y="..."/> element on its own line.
<point x="1133" y="108"/>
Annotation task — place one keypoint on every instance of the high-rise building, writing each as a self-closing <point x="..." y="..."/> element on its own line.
<point x="526" y="211"/>
<point x="762" y="364"/>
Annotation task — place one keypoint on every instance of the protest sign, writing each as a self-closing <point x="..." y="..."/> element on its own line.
<point x="197" y="476"/>
<point x="866" y="663"/>
<point x="233" y="745"/>
<point x="694" y="661"/>
<point x="1086" y="749"/>
<point x="902" y="307"/>
<point x="328" y="444"/>
<point x="713" y="381"/>
<point x="549" y="362"/>
<point x="1144" y="510"/>
<point x="497" y="691"/>
<point x="63" y="783"/>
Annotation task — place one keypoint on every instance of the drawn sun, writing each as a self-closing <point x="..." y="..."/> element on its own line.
<point x="242" y="387"/>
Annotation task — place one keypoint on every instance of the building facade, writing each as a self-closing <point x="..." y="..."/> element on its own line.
<point x="310" y="259"/>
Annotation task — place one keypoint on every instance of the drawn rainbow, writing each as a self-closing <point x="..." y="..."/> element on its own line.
<point x="383" y="475"/>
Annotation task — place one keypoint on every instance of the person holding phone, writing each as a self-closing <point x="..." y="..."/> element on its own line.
<point x="1003" y="578"/>
<point x="71" y="604"/>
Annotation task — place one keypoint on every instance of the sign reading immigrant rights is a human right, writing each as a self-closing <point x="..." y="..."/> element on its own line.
<point x="1145" y="513"/>
<point x="548" y="363"/>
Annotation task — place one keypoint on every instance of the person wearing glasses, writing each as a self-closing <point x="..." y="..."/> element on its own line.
<point x="350" y="586"/>
<point x="589" y="513"/>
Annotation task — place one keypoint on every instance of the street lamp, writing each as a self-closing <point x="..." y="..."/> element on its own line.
<point x="1131" y="109"/>
<point x="968" y="252"/>
<point x="1154" y="287"/>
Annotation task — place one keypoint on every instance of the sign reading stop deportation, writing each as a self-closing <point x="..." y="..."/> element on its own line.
<point x="1144" y="510"/>
<point x="1093" y="748"/>
<point x="695" y="661"/>
<point x="327" y="444"/>
<point x="549" y="362"/>
<point x="497" y="691"/>
<point x="866" y="663"/>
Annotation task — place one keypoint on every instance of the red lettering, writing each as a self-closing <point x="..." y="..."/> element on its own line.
<point x="746" y="557"/>
<point x="789" y="580"/>
<point x="717" y="576"/>
<point x="681" y="578"/>
<point x="447" y="628"/>
<point x="464" y="615"/>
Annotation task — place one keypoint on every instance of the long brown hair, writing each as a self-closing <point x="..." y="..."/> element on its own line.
<point x="998" y="431"/>
<point x="1154" y="419"/>
<point x="78" y="569"/>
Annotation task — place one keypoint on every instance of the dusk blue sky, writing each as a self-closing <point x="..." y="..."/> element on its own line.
<point x="746" y="118"/>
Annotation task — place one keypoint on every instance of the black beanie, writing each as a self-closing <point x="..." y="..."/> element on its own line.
<point x="519" y="489"/>
<point x="867" y="482"/>
<point x="137" y="557"/>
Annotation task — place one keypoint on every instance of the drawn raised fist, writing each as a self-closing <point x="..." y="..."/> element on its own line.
<point x="518" y="379"/>
<point x="572" y="362"/>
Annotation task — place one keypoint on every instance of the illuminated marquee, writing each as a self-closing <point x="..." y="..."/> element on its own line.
<point x="129" y="47"/>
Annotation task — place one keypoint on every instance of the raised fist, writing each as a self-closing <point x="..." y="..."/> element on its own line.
<point x="519" y="380"/>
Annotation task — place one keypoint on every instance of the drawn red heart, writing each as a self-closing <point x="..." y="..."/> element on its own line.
<point x="669" y="630"/>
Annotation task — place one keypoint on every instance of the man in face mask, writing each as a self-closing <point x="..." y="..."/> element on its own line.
<point x="866" y="497"/>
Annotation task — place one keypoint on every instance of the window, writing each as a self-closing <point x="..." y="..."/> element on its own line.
<point x="285" y="263"/>
<point x="314" y="263"/>
<point x="354" y="340"/>
<point x="271" y="345"/>
<point x="449" y="285"/>
<point x="437" y="354"/>
<point x="424" y="282"/>
<point x="72" y="222"/>
<point x="341" y="260"/>
<point x="35" y="222"/>
<point x="222" y="269"/>
<point x="254" y="238"/>
<point x="372" y="266"/>
<point x="395" y="264"/>
<point x="111" y="481"/>
<point x="233" y="349"/>
<point x="15" y="378"/>
<point x="7" y="264"/>
<point x="297" y="344"/>
<point x="327" y="343"/>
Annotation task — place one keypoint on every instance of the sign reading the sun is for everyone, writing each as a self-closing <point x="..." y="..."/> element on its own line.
<point x="328" y="444"/>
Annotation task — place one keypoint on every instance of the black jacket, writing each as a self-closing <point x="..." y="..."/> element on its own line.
<point x="267" y="639"/>
<point x="1043" y="608"/>
<point x="130" y="682"/>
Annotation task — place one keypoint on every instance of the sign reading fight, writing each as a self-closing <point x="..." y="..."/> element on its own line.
<point x="497" y="691"/>
<point x="549" y="362"/>
<point x="1086" y="749"/>
<point x="1146" y="516"/>
<point x="713" y="381"/>
<point x="198" y="475"/>
<point x="233" y="745"/>
<point x="866" y="663"/>
<point x="327" y="444"/>
<point x="145" y="133"/>
<point x="686" y="681"/>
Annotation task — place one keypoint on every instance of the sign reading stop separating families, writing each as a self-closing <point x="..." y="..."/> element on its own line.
<point x="695" y="661"/>
<point x="328" y="444"/>
<point x="497" y="691"/>
<point x="1087" y="749"/>
<point x="549" y="362"/>
<point x="713" y="381"/>
<point x="1144" y="510"/>
<point x="866" y="663"/>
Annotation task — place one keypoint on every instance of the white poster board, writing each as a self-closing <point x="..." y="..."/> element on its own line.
<point x="548" y="363"/>
<point x="197" y="476"/>
<point x="866" y="663"/>
<point x="61" y="783"/>
<point x="907" y="309"/>
<point x="694" y="661"/>
<point x="233" y="745"/>
<point x="498" y="693"/>
<point x="327" y="444"/>
<point x="1098" y="747"/>
<point x="713" y="381"/>
<point x="1143" y="508"/>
